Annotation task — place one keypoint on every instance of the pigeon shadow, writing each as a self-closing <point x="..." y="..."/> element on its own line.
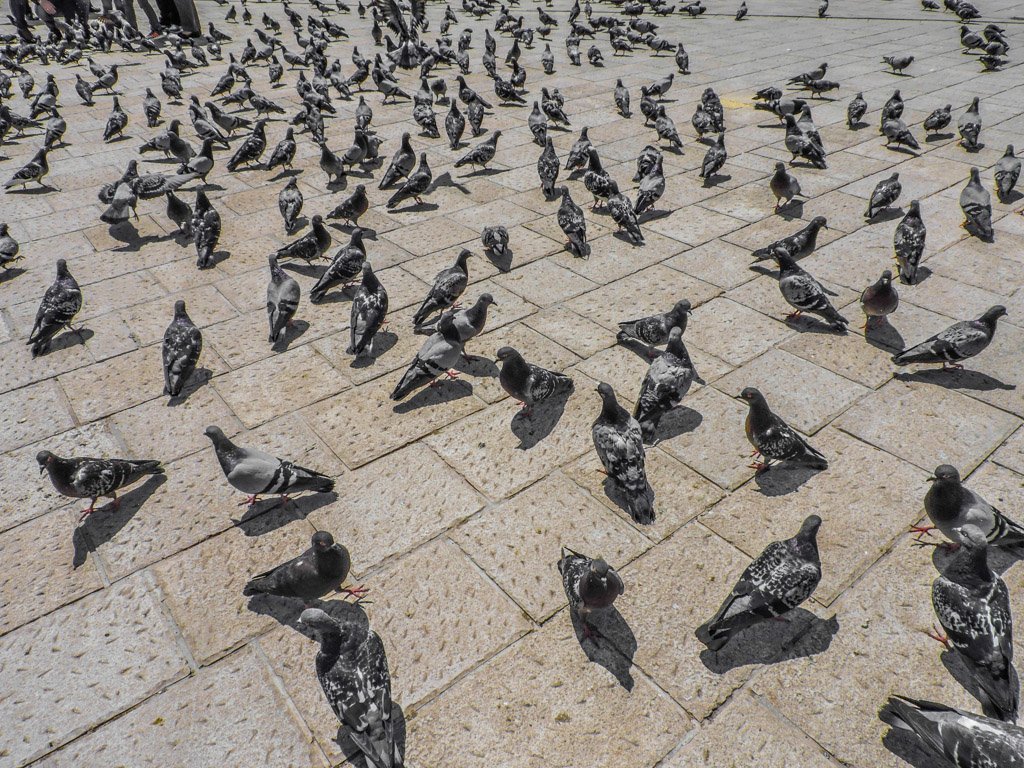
<point x="69" y="339"/>
<point x="613" y="645"/>
<point x="782" y="479"/>
<point x="807" y="324"/>
<point x="640" y="349"/>
<point x="42" y="189"/>
<point x="382" y="342"/>
<point x="900" y="149"/>
<point x="415" y="208"/>
<point x="446" y="180"/>
<point x="336" y="295"/>
<point x="484" y="172"/>
<point x="1012" y="198"/>
<point x="954" y="379"/>
<point x="540" y="422"/>
<point x="292" y="331"/>
<point x="284" y="174"/>
<point x="10" y="273"/>
<point x="800" y="634"/>
<point x="908" y="748"/>
<point x="443" y="392"/>
<point x="478" y="366"/>
<point x="678" y="421"/>
<point x="887" y="215"/>
<point x="199" y="377"/>
<point x="794" y="209"/>
<point x="503" y="263"/>
<point x="300" y="223"/>
<point x="715" y="179"/>
<point x="933" y="137"/>
<point x="271" y="513"/>
<point x="103" y="524"/>
<point x="881" y="334"/>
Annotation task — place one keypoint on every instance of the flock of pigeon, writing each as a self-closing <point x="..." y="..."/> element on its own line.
<point x="970" y="600"/>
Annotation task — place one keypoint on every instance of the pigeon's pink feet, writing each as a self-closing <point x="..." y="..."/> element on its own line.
<point x="793" y="315"/>
<point x="358" y="592"/>
<point x="451" y="374"/>
<point x="754" y="453"/>
<point x="87" y="511"/>
<point x="249" y="501"/>
<point x="952" y="367"/>
<point x="936" y="635"/>
<point x="922" y="528"/>
<point x="760" y="466"/>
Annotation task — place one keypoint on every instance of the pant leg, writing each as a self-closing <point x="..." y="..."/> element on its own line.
<point x="19" y="12"/>
<point x="147" y="8"/>
<point x="127" y="10"/>
<point x="189" y="16"/>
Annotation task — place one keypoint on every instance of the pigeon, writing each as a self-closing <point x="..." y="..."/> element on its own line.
<point x="529" y="384"/>
<point x="969" y="125"/>
<point x="447" y="287"/>
<point x="538" y="125"/>
<point x="402" y="163"/>
<point x="346" y="265"/>
<point x="897" y="63"/>
<point x="938" y="119"/>
<point x="438" y="356"/>
<point x="34" y="170"/>
<point x="84" y="90"/>
<point x="802" y="146"/>
<point x="962" y="738"/>
<point x="251" y="149"/>
<point x="369" y="310"/>
<point x="805" y="294"/>
<point x="618" y="441"/>
<point x="855" y="110"/>
<point x="622" y="98"/>
<point x="547" y="168"/>
<point x="976" y="203"/>
<point x="482" y="154"/>
<point x="742" y="11"/>
<point x="353" y="207"/>
<point x="495" y="240"/>
<point x="652" y="186"/>
<point x="885" y="194"/>
<point x="9" y="248"/>
<point x="312" y="245"/>
<point x="282" y="299"/>
<point x="783" y="185"/>
<point x="797" y="245"/>
<point x="714" y="159"/>
<point x="319" y="570"/>
<point x="655" y="329"/>
<point x="284" y="152"/>
<point x="353" y="671"/>
<point x="415" y="185"/>
<point x="122" y="205"/>
<point x="454" y="125"/>
<point x="773" y="439"/>
<point x="880" y="298"/>
<point x="814" y="74"/>
<point x="597" y="180"/>
<point x="667" y="381"/>
<point x="893" y="107"/>
<point x="958" y="342"/>
<point x="151" y="108"/>
<point x="183" y="343"/>
<point x="682" y="59"/>
<point x="780" y="579"/>
<point x="573" y="225"/>
<point x="205" y="227"/>
<point x="1007" y="172"/>
<point x="60" y="304"/>
<point x="116" y="123"/>
<point x="289" y="202"/>
<point x="256" y="473"/>
<point x="591" y="585"/>
<point x="79" y="477"/>
<point x="908" y="243"/>
<point x="973" y="607"/>
<point x="579" y="154"/>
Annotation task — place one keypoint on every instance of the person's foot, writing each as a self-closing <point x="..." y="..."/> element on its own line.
<point x="154" y="34"/>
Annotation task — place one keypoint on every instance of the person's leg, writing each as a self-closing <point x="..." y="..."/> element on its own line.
<point x="189" y="17"/>
<point x="168" y="13"/>
<point x="19" y="14"/>
<point x="151" y="17"/>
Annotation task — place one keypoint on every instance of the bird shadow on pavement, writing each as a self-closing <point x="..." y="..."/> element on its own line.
<point x="783" y="479"/>
<point x="679" y="421"/>
<point x="715" y="179"/>
<point x="615" y="646"/>
<point x="484" y="172"/>
<point x="973" y="380"/>
<point x="269" y="514"/>
<point x="640" y="349"/>
<point x="900" y="150"/>
<point x="103" y="524"/>
<point x="69" y="339"/>
<point x="880" y="334"/>
<point x="285" y="174"/>
<point x="907" y="747"/>
<point x="503" y="263"/>
<point x="477" y="366"/>
<point x="446" y="180"/>
<point x="382" y="342"/>
<point x="800" y="635"/>
<point x="541" y="422"/>
<point x="291" y="332"/>
<point x="888" y="214"/>
<point x="807" y="324"/>
<point x="933" y="137"/>
<point x="792" y="210"/>
<point x="10" y="273"/>
<point x="414" y="208"/>
<point x="199" y="377"/>
<point x="445" y="392"/>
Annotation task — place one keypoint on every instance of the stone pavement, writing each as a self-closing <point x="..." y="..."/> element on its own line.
<point x="127" y="641"/>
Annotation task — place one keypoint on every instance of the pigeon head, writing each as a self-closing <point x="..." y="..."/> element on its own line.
<point x="993" y="314"/>
<point x="607" y="394"/>
<point x="179" y="309"/>
<point x="505" y="353"/>
<point x="599" y="567"/>
<point x="810" y="527"/>
<point x="215" y="434"/>
<point x="886" y="277"/>
<point x="915" y="207"/>
<point x="819" y="221"/>
<point x="780" y="167"/>
<point x="62" y="268"/>
<point x="318" y="220"/>
<point x="44" y="458"/>
<point x="971" y="537"/>
<point x="753" y="396"/>
<point x="945" y="473"/>
<point x="486" y="299"/>
<point x="359" y="190"/>
<point x="321" y="624"/>
<point x="322" y="541"/>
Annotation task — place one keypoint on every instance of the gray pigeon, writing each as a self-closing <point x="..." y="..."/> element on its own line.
<point x="622" y="98"/>
<point x="805" y="294"/>
<point x="667" y="381"/>
<point x="783" y="185"/>
<point x="714" y="159"/>
<point x="654" y="329"/>
<point x="183" y="343"/>
<point x="180" y="213"/>
<point x="964" y="739"/>
<point x="938" y="119"/>
<point x="951" y="506"/>
<point x="956" y="343"/>
<point x="9" y="248"/>
<point x="547" y="168"/>
<point x="289" y="202"/>
<point x="352" y="207"/>
<point x="87" y="478"/>
<point x="319" y="570"/>
<point x="855" y="110"/>
<point x="415" y="185"/>
<point x="620" y="447"/>
<point x="468" y="323"/>
<point x="782" y="577"/>
<point x="797" y="245"/>
<point x="590" y="584"/>
<point x="621" y="209"/>
<point x="1007" y="172"/>
<point x="58" y="308"/>
<point x="352" y="668"/>
<point x="573" y="225"/>
<point x="898" y="62"/>
<point x="908" y="243"/>
<point x="976" y="203"/>
<point x="256" y="473"/>
<point x="282" y="299"/>
<point x="773" y="439"/>
<point x="448" y="286"/>
<point x="652" y="185"/>
<point x="206" y="227"/>
<point x="495" y="240"/>
<point x="969" y="125"/>
<point x="369" y="311"/>
<point x="312" y="245"/>
<point x="973" y="607"/>
<point x="438" y="356"/>
<point x="345" y="267"/>
<point x="885" y="194"/>
<point x="880" y="298"/>
<point x="527" y="383"/>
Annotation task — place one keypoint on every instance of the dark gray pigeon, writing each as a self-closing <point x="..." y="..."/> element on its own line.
<point x="976" y="203"/>
<point x="467" y="323"/>
<point x="590" y="584"/>
<point x="256" y="473"/>
<point x="951" y="506"/>
<point x="898" y="62"/>
<point x="667" y="381"/>
<point x="805" y="294"/>
<point x="958" y="342"/>
<point x="319" y="570"/>
<point x="283" y="294"/>
<point x="58" y="308"/>
<point x="880" y="298"/>
<point x="938" y="119"/>
<point x="527" y="383"/>
<point x="908" y="243"/>
<point x="1007" y="171"/>
<point x="85" y="478"/>
<point x="797" y="245"/>
<point x="312" y="245"/>
<point x="782" y="577"/>
<point x="352" y="207"/>
<point x="206" y="228"/>
<point x="654" y="329"/>
<point x="573" y="225"/>
<point x="855" y="110"/>
<point x="885" y="194"/>
<point x="969" y="125"/>
<point x="783" y="185"/>
<point x="438" y="356"/>
<point x="620" y="447"/>
<point x="352" y="668"/>
<point x="495" y="240"/>
<point x="183" y="343"/>
<point x="345" y="267"/>
<point x="448" y="286"/>
<point x="973" y="607"/>
<point x="369" y="311"/>
<point x="289" y="202"/>
<point x="964" y="739"/>
<point x="773" y="439"/>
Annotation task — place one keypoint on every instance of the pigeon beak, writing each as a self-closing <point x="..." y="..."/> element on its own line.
<point x="42" y="468"/>
<point x="932" y="479"/>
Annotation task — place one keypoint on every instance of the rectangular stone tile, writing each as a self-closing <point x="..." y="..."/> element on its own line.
<point x="718" y="262"/>
<point x="32" y="413"/>
<point x="543" y="283"/>
<point x="566" y="709"/>
<point x="518" y="541"/>
<point x="733" y="332"/>
<point x="232" y="713"/>
<point x="115" y="384"/>
<point x="438" y="499"/>
<point x="928" y="425"/>
<point x="66" y="672"/>
<point x="572" y="331"/>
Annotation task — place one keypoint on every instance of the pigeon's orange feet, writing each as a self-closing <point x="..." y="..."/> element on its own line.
<point x="936" y="635"/>
<point x="922" y="528"/>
